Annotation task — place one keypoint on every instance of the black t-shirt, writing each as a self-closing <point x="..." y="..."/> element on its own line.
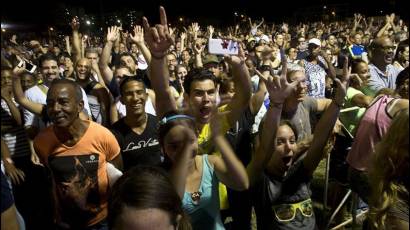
<point x="293" y="188"/>
<point x="240" y="137"/>
<point x="137" y="149"/>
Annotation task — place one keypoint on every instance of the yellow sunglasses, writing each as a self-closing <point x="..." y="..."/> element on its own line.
<point x="287" y="212"/>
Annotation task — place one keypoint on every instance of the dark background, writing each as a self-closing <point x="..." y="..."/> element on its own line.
<point x="22" y="14"/>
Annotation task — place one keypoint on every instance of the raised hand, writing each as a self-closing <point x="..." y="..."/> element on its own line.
<point x="198" y="47"/>
<point x="18" y="70"/>
<point x="183" y="36"/>
<point x="215" y="123"/>
<point x="138" y="36"/>
<point x="278" y="86"/>
<point x="195" y="27"/>
<point x="75" y="23"/>
<point x="113" y="33"/>
<point x="211" y="30"/>
<point x="158" y="37"/>
<point x="171" y="31"/>
<point x="236" y="60"/>
<point x="388" y="19"/>
<point x="392" y="16"/>
<point x="343" y="83"/>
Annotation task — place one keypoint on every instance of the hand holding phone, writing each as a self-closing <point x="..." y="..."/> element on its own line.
<point x="223" y="47"/>
<point x="29" y="67"/>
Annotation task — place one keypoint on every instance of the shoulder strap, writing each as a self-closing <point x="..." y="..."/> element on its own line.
<point x="43" y="89"/>
<point x="90" y="86"/>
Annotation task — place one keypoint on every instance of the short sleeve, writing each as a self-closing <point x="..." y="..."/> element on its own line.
<point x="39" y="148"/>
<point x="310" y="104"/>
<point x="111" y="147"/>
<point x="28" y="116"/>
<point x="351" y="92"/>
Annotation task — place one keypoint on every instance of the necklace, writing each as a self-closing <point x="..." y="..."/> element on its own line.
<point x="196" y="197"/>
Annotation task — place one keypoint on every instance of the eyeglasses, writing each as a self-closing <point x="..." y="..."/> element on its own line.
<point x="287" y="212"/>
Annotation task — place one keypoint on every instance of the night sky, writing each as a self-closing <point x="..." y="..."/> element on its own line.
<point x="44" y="12"/>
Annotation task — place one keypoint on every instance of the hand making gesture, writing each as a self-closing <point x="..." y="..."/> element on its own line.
<point x="158" y="37"/>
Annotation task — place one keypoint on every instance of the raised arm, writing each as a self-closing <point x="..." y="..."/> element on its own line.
<point x="279" y="89"/>
<point x="326" y="124"/>
<point x="106" y="72"/>
<point x="263" y="20"/>
<point x="159" y="40"/>
<point x="95" y="68"/>
<point x="258" y="97"/>
<point x="19" y="95"/>
<point x="67" y="44"/>
<point x="179" y="170"/>
<point x="385" y="27"/>
<point x="138" y="39"/>
<point x="198" y="49"/>
<point x="105" y="101"/>
<point x="243" y="91"/>
<point x="75" y="25"/>
<point x="331" y="69"/>
<point x="229" y="169"/>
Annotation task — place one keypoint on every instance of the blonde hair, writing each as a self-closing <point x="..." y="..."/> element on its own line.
<point x="389" y="169"/>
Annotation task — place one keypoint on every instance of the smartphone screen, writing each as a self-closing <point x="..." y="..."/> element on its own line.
<point x="222" y="46"/>
<point x="29" y="66"/>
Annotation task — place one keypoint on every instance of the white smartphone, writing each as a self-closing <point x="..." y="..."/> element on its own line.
<point x="29" y="67"/>
<point x="223" y="46"/>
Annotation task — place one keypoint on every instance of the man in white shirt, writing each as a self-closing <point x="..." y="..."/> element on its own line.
<point x="38" y="93"/>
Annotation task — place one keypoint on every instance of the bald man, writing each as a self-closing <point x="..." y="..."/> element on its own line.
<point x="382" y="73"/>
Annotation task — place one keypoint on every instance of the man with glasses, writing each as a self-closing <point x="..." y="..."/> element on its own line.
<point x="382" y="73"/>
<point x="302" y="48"/>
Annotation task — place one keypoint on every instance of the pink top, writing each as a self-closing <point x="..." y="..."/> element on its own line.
<point x="372" y="127"/>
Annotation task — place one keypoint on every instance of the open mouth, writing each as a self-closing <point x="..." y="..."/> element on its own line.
<point x="388" y="58"/>
<point x="205" y="111"/>
<point x="287" y="161"/>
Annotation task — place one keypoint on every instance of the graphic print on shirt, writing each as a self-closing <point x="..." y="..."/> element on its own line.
<point x="76" y="185"/>
<point x="141" y="144"/>
<point x="316" y="80"/>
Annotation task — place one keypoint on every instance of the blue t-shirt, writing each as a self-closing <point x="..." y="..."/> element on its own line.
<point x="205" y="213"/>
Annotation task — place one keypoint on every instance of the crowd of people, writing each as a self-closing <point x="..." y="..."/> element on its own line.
<point x="146" y="129"/>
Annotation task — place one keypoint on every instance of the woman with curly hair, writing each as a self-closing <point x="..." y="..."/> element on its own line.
<point x="389" y="177"/>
